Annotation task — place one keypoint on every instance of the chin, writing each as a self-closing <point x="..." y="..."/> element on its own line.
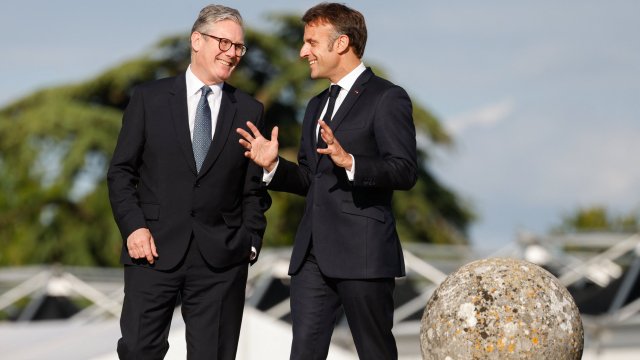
<point x="224" y="75"/>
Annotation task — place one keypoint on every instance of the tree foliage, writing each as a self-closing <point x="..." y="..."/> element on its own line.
<point x="55" y="146"/>
<point x="598" y="218"/>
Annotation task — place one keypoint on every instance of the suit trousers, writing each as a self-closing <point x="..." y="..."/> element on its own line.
<point x="212" y="306"/>
<point x="367" y="304"/>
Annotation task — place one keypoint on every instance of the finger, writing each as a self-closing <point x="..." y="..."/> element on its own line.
<point x="325" y="132"/>
<point x="146" y="252"/>
<point x="132" y="248"/>
<point x="254" y="129"/>
<point x="324" y="136"/>
<point x="245" y="144"/>
<point x="154" y="250"/>
<point x="140" y="249"/>
<point x="242" y="132"/>
<point x="328" y="138"/>
<point x="325" y="127"/>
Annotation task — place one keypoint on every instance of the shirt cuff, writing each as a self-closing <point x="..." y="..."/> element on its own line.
<point x="351" y="173"/>
<point x="268" y="176"/>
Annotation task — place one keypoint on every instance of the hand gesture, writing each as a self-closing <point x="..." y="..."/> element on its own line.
<point x="261" y="151"/>
<point x="338" y="155"/>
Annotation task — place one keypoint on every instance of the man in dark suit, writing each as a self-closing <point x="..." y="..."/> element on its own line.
<point x="346" y="252"/>
<point x="189" y="205"/>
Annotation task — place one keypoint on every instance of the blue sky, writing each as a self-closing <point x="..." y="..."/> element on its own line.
<point x="543" y="97"/>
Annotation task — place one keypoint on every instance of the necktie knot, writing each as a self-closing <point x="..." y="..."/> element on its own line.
<point x="333" y="91"/>
<point x="206" y="90"/>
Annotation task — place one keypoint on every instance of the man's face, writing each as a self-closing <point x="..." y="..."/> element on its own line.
<point x="319" y="49"/>
<point x="209" y="63"/>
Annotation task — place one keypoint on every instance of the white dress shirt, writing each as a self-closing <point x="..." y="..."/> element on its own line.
<point x="193" y="97"/>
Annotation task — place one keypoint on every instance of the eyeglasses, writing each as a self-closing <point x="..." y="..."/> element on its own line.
<point x="225" y="45"/>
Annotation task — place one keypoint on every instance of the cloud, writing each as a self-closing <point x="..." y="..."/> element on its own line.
<point x="549" y="158"/>
<point x="486" y="116"/>
<point x="593" y="166"/>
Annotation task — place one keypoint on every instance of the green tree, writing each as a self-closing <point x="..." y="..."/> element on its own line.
<point x="597" y="218"/>
<point x="55" y="146"/>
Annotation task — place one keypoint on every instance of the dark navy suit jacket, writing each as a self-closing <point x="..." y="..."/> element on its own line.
<point x="351" y="223"/>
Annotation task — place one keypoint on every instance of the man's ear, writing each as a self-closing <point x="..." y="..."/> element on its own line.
<point x="342" y="44"/>
<point x="196" y="41"/>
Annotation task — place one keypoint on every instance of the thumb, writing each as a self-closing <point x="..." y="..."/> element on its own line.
<point x="274" y="134"/>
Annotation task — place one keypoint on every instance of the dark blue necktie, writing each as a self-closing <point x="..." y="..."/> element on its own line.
<point x="202" y="128"/>
<point x="333" y="95"/>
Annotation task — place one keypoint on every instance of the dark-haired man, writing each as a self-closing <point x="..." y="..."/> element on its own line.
<point x="346" y="252"/>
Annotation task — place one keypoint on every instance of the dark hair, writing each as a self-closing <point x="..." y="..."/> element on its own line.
<point x="345" y="20"/>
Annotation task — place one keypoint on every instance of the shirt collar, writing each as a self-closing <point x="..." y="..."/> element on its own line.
<point x="194" y="84"/>
<point x="348" y="80"/>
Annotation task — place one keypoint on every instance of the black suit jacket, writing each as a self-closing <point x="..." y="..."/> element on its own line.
<point x="351" y="223"/>
<point x="153" y="181"/>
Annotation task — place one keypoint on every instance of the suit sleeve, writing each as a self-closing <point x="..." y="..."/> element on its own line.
<point x="256" y="200"/>
<point x="123" y="176"/>
<point x="395" y="165"/>
<point x="296" y="178"/>
<point x="291" y="177"/>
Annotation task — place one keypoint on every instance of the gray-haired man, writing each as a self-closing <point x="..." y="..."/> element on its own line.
<point x="189" y="205"/>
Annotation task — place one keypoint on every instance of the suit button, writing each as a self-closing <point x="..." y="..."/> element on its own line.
<point x="196" y="185"/>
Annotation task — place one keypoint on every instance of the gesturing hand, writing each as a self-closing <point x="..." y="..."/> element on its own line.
<point x="261" y="151"/>
<point x="338" y="155"/>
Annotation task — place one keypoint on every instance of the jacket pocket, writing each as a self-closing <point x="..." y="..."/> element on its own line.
<point x="233" y="219"/>
<point x="150" y="211"/>
<point x="375" y="213"/>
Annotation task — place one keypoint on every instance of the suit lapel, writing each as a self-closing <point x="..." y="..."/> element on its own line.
<point x="356" y="90"/>
<point x="352" y="97"/>
<point x="312" y="130"/>
<point x="224" y="124"/>
<point x="180" y="117"/>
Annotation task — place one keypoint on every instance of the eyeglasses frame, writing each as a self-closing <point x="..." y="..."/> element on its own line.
<point x="242" y="47"/>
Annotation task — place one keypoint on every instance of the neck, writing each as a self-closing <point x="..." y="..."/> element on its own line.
<point x="202" y="75"/>
<point x="346" y="66"/>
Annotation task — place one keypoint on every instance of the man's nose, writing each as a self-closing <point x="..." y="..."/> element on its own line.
<point x="304" y="51"/>
<point x="231" y="51"/>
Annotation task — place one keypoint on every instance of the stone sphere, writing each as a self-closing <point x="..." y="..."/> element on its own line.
<point x="501" y="309"/>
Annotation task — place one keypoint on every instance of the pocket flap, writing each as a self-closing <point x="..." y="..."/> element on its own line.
<point x="370" y="212"/>
<point x="151" y="211"/>
<point x="233" y="218"/>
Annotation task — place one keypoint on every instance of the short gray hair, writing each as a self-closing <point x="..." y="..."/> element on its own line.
<point x="211" y="14"/>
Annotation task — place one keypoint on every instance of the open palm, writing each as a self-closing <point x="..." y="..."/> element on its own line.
<point x="259" y="149"/>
